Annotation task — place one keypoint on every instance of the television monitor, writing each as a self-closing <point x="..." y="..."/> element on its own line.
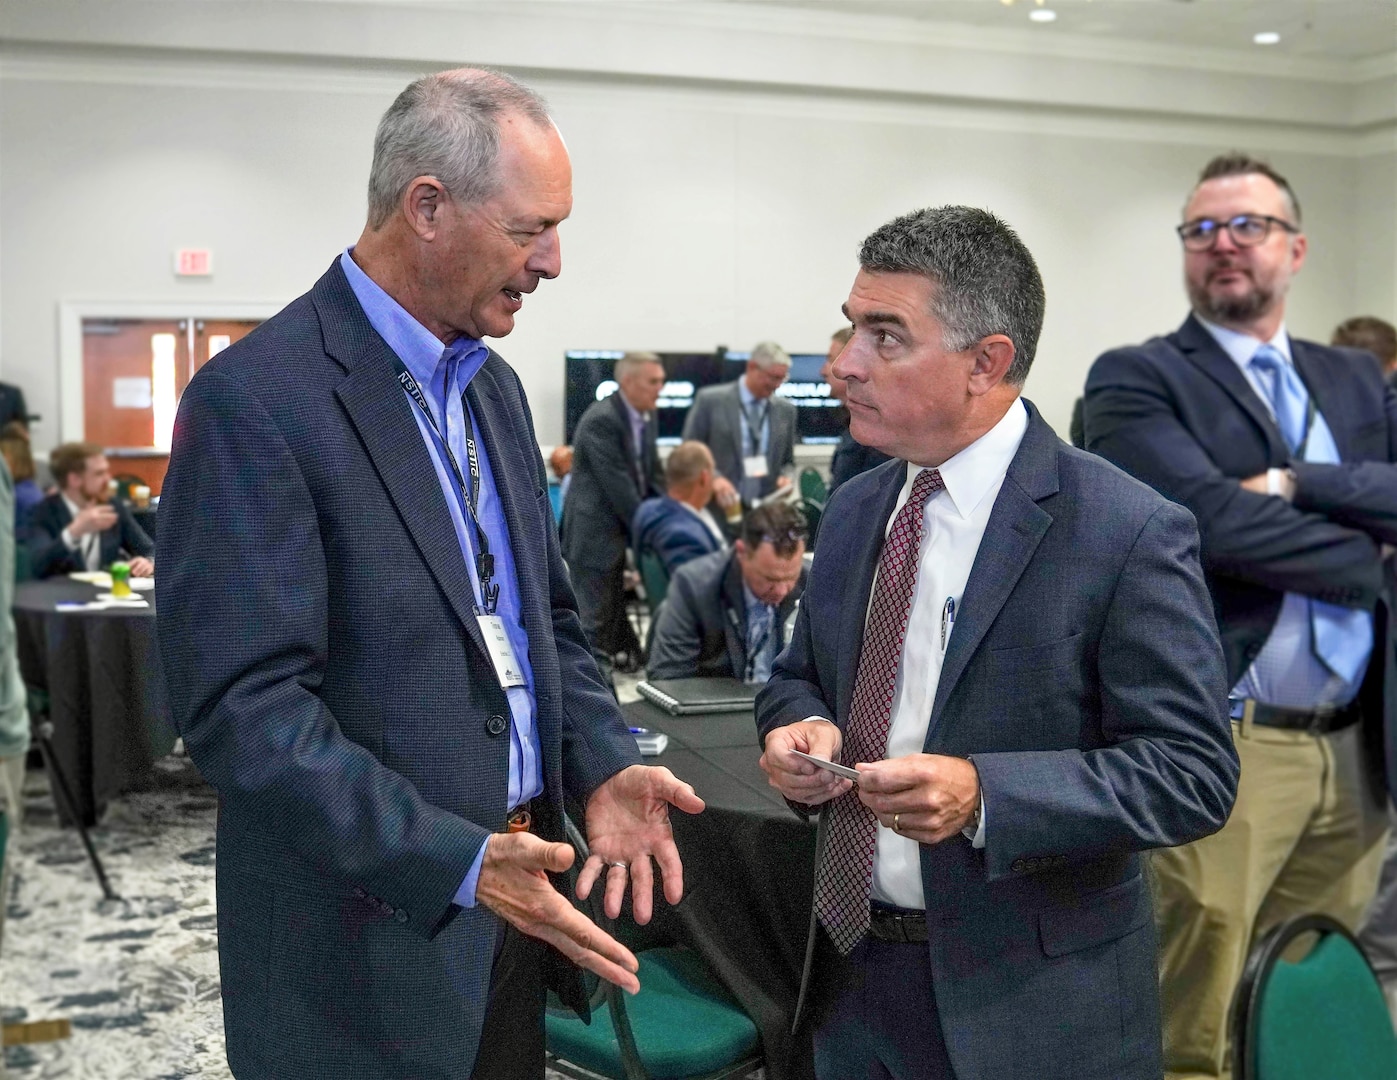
<point x="819" y="418"/>
<point x="589" y="379"/>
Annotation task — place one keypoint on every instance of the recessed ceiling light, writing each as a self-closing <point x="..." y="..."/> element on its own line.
<point x="1042" y="14"/>
<point x="1267" y="37"/>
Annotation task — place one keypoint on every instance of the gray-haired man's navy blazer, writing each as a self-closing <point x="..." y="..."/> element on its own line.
<point x="329" y="678"/>
<point x="1084" y="678"/>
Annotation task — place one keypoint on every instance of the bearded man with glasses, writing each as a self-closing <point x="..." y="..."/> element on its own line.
<point x="1284" y="450"/>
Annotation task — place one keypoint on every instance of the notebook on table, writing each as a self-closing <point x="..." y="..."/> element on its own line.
<point x="691" y="697"/>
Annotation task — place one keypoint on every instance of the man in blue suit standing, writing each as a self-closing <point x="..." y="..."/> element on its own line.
<point x="371" y="647"/>
<point x="1284" y="451"/>
<point x="1012" y="644"/>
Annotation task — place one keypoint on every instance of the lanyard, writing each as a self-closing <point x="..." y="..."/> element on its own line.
<point x="470" y="493"/>
<point x="762" y="411"/>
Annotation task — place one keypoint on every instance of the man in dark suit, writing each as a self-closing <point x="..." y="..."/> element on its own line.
<point x="678" y="526"/>
<point x="370" y="644"/>
<point x="614" y="466"/>
<point x="1283" y="450"/>
<point x="1012" y="644"/>
<point x="725" y="614"/>
<point x="77" y="528"/>
<point x="850" y="457"/>
<point x="750" y="430"/>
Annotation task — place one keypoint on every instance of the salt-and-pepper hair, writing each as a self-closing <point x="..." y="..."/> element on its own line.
<point x="446" y="125"/>
<point x="632" y="362"/>
<point x="985" y="281"/>
<point x="767" y="355"/>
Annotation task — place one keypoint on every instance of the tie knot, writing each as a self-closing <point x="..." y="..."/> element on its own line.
<point x="1268" y="358"/>
<point x="927" y="484"/>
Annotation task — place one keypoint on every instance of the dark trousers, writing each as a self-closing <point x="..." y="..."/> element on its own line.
<point x="601" y="608"/>
<point x="876" y="1017"/>
<point x="512" y="1038"/>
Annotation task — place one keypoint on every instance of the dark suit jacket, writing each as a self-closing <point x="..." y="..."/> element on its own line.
<point x="50" y="556"/>
<point x="1179" y="414"/>
<point x="606" y="486"/>
<point x="664" y="526"/>
<point x="702" y="625"/>
<point x="329" y="678"/>
<point x="1085" y="681"/>
<point x="716" y="421"/>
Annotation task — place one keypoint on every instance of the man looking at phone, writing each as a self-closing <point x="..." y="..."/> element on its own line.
<point x="78" y="528"/>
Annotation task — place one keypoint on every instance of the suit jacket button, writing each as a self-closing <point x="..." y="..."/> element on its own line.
<point x="496" y="725"/>
<point x="400" y="915"/>
<point x="1017" y="864"/>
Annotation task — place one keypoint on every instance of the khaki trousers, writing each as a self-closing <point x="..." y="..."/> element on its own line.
<point x="1306" y="835"/>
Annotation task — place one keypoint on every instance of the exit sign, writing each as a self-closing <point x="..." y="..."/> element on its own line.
<point x="193" y="262"/>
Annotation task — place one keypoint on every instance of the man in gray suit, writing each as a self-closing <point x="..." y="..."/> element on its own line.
<point x="725" y="613"/>
<point x="1012" y="643"/>
<point x="750" y="431"/>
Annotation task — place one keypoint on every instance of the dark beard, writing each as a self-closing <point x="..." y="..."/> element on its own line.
<point x="1231" y="309"/>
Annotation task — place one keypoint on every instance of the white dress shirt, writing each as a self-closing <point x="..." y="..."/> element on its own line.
<point x="703" y="514"/>
<point x="954" y="524"/>
<point x="87" y="546"/>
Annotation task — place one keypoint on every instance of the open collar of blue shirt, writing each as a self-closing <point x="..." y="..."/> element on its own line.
<point x="1242" y="347"/>
<point x="421" y="351"/>
<point x="748" y="398"/>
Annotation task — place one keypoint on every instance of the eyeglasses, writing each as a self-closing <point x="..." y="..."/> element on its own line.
<point x="1246" y="230"/>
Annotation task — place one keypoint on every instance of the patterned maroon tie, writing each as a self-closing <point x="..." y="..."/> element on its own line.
<point x="846" y="871"/>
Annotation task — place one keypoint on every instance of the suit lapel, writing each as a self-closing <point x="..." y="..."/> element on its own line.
<point x="874" y="505"/>
<point x="1312" y="373"/>
<point x="382" y="415"/>
<point x="628" y="440"/>
<point x="1206" y="354"/>
<point x="1016" y="526"/>
<point x="735" y="617"/>
<point x="735" y="422"/>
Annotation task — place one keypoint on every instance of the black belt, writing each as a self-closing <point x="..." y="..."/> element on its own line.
<point x="1321" y="720"/>
<point x="896" y="924"/>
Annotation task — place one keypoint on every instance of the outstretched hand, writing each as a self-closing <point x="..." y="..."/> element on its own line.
<point x="628" y="825"/>
<point x="514" y="885"/>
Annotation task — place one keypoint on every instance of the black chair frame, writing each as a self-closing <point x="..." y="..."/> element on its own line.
<point x="1268" y="952"/>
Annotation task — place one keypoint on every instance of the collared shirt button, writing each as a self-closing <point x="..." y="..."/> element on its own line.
<point x="496" y="725"/>
<point x="1017" y="864"/>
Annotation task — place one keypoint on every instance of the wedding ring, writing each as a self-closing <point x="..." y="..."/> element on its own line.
<point x="623" y="866"/>
<point x="895" y="825"/>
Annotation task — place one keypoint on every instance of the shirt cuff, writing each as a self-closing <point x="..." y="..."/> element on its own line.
<point x="68" y="541"/>
<point x="977" y="838"/>
<point x="465" y="895"/>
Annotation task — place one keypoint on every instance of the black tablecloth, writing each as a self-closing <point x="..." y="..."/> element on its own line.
<point x="748" y="875"/>
<point x="101" y="670"/>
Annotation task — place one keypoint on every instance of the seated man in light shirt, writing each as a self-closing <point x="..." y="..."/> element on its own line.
<point x="726" y="614"/>
<point x="76" y="528"/>
<point x="678" y="526"/>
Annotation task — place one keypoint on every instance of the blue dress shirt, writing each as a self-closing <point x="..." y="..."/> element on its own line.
<point x="444" y="372"/>
<point x="1287" y="671"/>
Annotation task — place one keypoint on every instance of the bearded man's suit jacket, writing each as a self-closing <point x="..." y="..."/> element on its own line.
<point x="1178" y="413"/>
<point x="329" y="678"/>
<point x="1084" y="679"/>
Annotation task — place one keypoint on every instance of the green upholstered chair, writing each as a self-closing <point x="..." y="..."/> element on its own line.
<point x="1321" y="1016"/>
<point x="652" y="573"/>
<point x="682" y="1024"/>
<point x="812" y="486"/>
<point x="812" y="511"/>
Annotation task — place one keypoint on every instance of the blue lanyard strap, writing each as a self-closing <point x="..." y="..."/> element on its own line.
<point x="470" y="493"/>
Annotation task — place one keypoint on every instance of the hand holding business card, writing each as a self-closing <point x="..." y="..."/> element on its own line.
<point x="831" y="766"/>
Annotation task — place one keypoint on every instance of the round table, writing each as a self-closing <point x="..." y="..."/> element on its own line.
<point x="101" y="671"/>
<point x="749" y="869"/>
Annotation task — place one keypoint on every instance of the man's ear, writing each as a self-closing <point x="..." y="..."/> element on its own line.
<point x="991" y="359"/>
<point x="422" y="206"/>
<point x="739" y="549"/>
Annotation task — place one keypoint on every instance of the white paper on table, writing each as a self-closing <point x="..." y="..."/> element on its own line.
<point x="143" y="584"/>
<point x="100" y="578"/>
<point x="107" y="599"/>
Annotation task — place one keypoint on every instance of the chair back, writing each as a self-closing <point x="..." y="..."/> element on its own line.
<point x="812" y="511"/>
<point x="652" y="573"/>
<point x="812" y="485"/>
<point x="1322" y="1015"/>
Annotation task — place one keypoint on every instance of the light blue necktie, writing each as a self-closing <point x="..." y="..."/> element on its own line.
<point x="1343" y="637"/>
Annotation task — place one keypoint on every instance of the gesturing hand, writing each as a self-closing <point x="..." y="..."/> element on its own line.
<point x="627" y="825"/>
<point x="513" y="885"/>
<point x="928" y="797"/>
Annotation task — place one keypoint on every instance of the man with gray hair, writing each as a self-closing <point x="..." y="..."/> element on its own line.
<point x="750" y="430"/>
<point x="1012" y="644"/>
<point x="370" y="643"/>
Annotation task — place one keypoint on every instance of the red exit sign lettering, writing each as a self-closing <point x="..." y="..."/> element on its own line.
<point x="193" y="262"/>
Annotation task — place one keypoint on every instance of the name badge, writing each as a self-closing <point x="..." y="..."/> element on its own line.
<point x="507" y="668"/>
<point x="754" y="467"/>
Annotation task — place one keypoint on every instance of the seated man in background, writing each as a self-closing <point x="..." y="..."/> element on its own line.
<point x="76" y="528"/>
<point x="1373" y="335"/>
<point x="678" y="526"/>
<point x="726" y="614"/>
<point x="750" y="430"/>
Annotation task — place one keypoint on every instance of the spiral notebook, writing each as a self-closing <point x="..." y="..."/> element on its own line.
<point x="691" y="697"/>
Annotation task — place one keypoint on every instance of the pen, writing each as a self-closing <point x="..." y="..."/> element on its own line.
<point x="948" y="619"/>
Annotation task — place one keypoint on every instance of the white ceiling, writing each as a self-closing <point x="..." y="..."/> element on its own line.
<point x="1333" y="29"/>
